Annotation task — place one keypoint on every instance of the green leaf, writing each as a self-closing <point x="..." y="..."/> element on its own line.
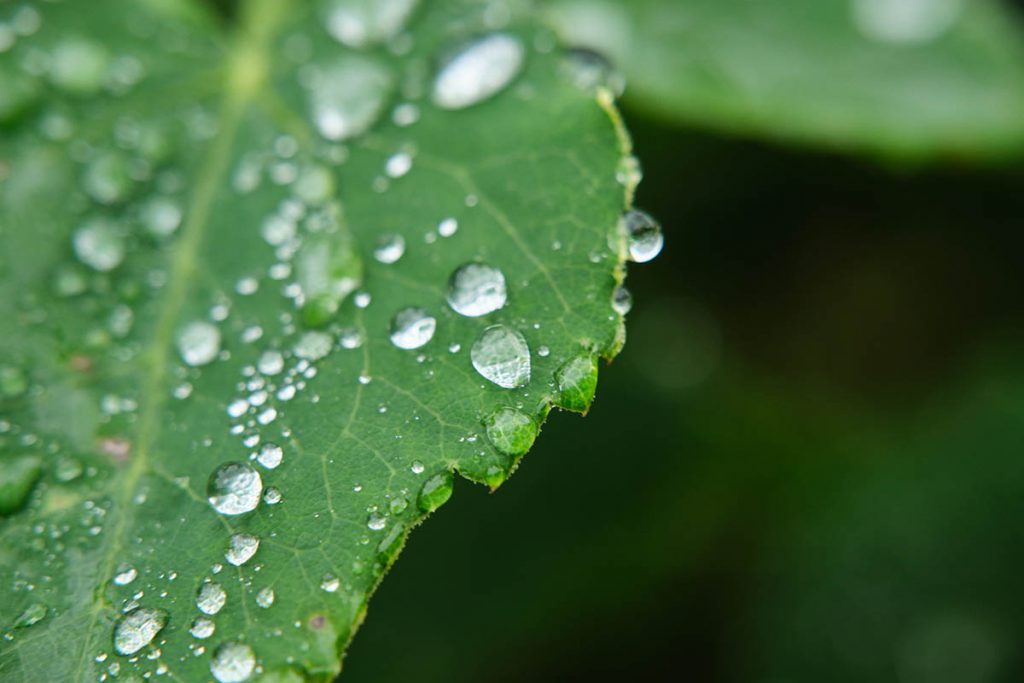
<point x="264" y="291"/>
<point x="907" y="80"/>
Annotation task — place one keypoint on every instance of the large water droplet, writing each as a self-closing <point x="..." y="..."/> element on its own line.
<point x="411" y="328"/>
<point x="477" y="289"/>
<point x="161" y="216"/>
<point x="436" y="491"/>
<point x="198" y="343"/>
<point x="479" y="71"/>
<point x="511" y="431"/>
<point x="502" y="356"/>
<point x="241" y="548"/>
<point x="348" y="97"/>
<point x="234" y="488"/>
<point x="328" y="269"/>
<point x="136" y="629"/>
<point x="211" y="598"/>
<point x="99" y="244"/>
<point x="233" y="663"/>
<point x="577" y="383"/>
<point x="643" y="235"/>
<point x="358" y="23"/>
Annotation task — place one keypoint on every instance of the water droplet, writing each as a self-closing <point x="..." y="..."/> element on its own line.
<point x="643" y="235"/>
<point x="330" y="583"/>
<point x="376" y="521"/>
<point x="417" y="467"/>
<point x="265" y="598"/>
<point x="272" y="496"/>
<point x="479" y="71"/>
<point x="589" y="70"/>
<point x="161" y="216"/>
<point x="502" y="356"/>
<point x="79" y="67"/>
<point x="411" y="328"/>
<point x="577" y="382"/>
<point x="387" y="549"/>
<point x="398" y="165"/>
<point x="390" y="249"/>
<point x="270" y="455"/>
<point x="358" y="23"/>
<point x="198" y="343"/>
<point x="436" y="491"/>
<point x="329" y="269"/>
<point x="99" y="244"/>
<point x="398" y="505"/>
<point x="477" y="289"/>
<point x="202" y="628"/>
<point x="13" y="381"/>
<point x="136" y="629"/>
<point x="233" y="663"/>
<point x="622" y="300"/>
<point x="17" y="479"/>
<point x="347" y="98"/>
<point x="543" y="351"/>
<point x="906" y="22"/>
<point x="32" y="615"/>
<point x="315" y="185"/>
<point x="125" y="575"/>
<point x="447" y="227"/>
<point x="234" y="488"/>
<point x="511" y="431"/>
<point x="270" y="363"/>
<point x="241" y="547"/>
<point x="210" y="598"/>
<point x="108" y="179"/>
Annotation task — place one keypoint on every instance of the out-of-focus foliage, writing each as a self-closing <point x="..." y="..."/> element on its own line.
<point x="906" y="79"/>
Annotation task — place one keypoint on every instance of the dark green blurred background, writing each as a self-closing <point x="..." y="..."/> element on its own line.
<point x="806" y="465"/>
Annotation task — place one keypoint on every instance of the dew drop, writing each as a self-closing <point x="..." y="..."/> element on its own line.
<point x="577" y="383"/>
<point x="329" y="269"/>
<point x="348" y="97"/>
<point x="136" y="629"/>
<point x="447" y="227"/>
<point x="270" y="455"/>
<point x="436" y="491"/>
<point x="622" y="300"/>
<point x="202" y="628"/>
<point x="272" y="496"/>
<point x="108" y="179"/>
<point x="210" y="598"/>
<point x="241" y="548"/>
<point x="161" y="216"/>
<point x="32" y="615"/>
<point x="643" y="235"/>
<point x="198" y="343"/>
<point x="265" y="598"/>
<point x="477" y="289"/>
<point x="358" y="23"/>
<point x="589" y="70"/>
<point x="330" y="583"/>
<point x="18" y="478"/>
<point x="502" y="356"/>
<point x="479" y="71"/>
<point x="398" y="165"/>
<point x="234" y="488"/>
<point x="233" y="663"/>
<point x="411" y="328"/>
<point x="510" y="431"/>
<point x="125" y="575"/>
<point x="313" y="346"/>
<point x="270" y="363"/>
<point x="79" y="67"/>
<point x="99" y="244"/>
<point x="390" y="249"/>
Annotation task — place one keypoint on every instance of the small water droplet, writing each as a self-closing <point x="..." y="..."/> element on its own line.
<point x="398" y="165"/>
<point x="241" y="548"/>
<point x="32" y="615"/>
<point x="376" y="521"/>
<point x="360" y="23"/>
<point x="198" y="343"/>
<point x="265" y="598"/>
<point x="502" y="356"/>
<point x="270" y="363"/>
<point x="161" y="216"/>
<point x="447" y="227"/>
<point x="477" y="289"/>
<point x="313" y="346"/>
<point x="511" y="431"/>
<point x="479" y="71"/>
<point x="411" y="328"/>
<point x="330" y="583"/>
<point x="589" y="70"/>
<point x="124" y="575"/>
<point x="577" y="382"/>
<point x="99" y="244"/>
<point x="136" y="629"/>
<point x="272" y="496"/>
<point x="347" y="98"/>
<point x="417" y="467"/>
<point x="233" y="663"/>
<point x="389" y="249"/>
<point x="210" y="598"/>
<point x="622" y="300"/>
<point x="643" y="235"/>
<point x="234" y="488"/>
<point x="202" y="628"/>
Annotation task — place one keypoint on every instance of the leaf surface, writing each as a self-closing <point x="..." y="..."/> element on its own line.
<point x="234" y="373"/>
